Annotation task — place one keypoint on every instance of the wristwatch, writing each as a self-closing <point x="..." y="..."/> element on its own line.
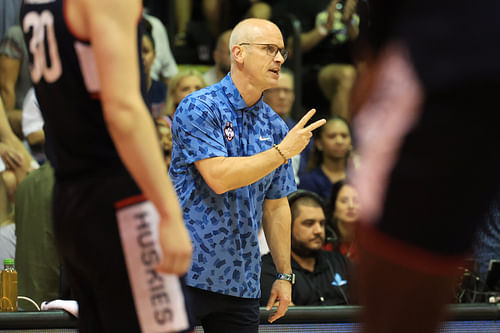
<point x="287" y="277"/>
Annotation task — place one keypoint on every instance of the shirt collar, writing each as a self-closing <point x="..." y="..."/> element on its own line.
<point x="233" y="95"/>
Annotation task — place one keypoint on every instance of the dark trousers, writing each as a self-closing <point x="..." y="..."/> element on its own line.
<point x="219" y="313"/>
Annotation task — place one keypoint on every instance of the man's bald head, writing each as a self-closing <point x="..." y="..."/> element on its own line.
<point x="252" y="29"/>
<point x="255" y="57"/>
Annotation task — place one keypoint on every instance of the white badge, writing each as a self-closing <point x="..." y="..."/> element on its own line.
<point x="158" y="297"/>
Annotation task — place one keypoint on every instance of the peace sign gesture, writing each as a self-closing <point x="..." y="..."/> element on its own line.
<point x="298" y="137"/>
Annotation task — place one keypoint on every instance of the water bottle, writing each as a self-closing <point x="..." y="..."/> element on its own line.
<point x="9" y="286"/>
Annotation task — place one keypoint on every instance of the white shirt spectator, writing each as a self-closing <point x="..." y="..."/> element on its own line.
<point x="164" y="65"/>
<point x="32" y="116"/>
<point x="7" y="242"/>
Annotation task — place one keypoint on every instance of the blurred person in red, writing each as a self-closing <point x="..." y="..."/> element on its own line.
<point x="423" y="110"/>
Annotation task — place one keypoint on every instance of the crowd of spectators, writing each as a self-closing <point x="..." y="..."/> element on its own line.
<point x="326" y="208"/>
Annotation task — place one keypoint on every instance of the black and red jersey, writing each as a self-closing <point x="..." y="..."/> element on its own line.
<point x="64" y="73"/>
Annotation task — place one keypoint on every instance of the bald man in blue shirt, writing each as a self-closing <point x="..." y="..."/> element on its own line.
<point x="230" y="169"/>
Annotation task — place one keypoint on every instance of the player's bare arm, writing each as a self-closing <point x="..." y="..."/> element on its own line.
<point x="126" y="115"/>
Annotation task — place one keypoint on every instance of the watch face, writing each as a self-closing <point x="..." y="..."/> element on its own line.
<point x="287" y="277"/>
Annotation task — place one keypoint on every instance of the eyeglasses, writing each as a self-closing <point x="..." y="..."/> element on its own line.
<point x="271" y="49"/>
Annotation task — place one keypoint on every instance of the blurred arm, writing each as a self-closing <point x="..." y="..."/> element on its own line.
<point x="129" y="123"/>
<point x="125" y="113"/>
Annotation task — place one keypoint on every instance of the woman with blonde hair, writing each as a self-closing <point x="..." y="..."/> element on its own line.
<point x="181" y="85"/>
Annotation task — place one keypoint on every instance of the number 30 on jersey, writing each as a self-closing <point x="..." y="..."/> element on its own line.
<point x="42" y="25"/>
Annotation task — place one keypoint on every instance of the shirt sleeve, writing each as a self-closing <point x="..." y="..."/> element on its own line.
<point x="12" y="43"/>
<point x="196" y="131"/>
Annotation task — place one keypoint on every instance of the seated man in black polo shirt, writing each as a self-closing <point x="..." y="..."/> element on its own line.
<point x="321" y="277"/>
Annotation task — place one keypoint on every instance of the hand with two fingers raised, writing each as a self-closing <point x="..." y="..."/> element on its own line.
<point x="298" y="137"/>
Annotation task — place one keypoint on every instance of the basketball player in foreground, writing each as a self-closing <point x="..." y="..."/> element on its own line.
<point x="428" y="140"/>
<point x="110" y="175"/>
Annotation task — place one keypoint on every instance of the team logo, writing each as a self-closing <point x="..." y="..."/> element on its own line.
<point x="338" y="281"/>
<point x="228" y="131"/>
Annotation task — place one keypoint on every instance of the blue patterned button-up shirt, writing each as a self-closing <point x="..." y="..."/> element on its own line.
<point x="215" y="121"/>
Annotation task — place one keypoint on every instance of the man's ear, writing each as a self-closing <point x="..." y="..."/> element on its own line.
<point x="238" y="53"/>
